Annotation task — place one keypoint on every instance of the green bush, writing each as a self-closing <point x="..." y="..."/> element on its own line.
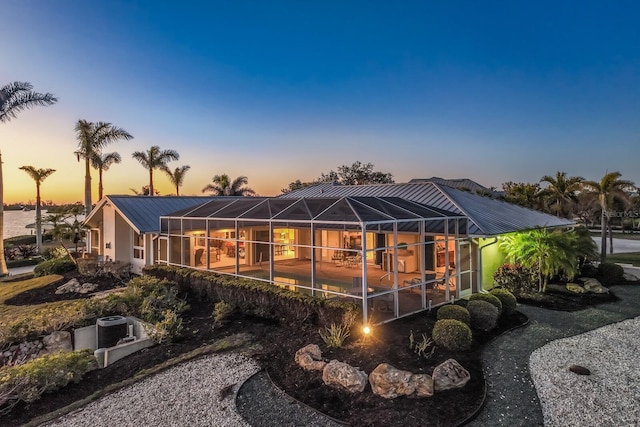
<point x="491" y="299"/>
<point x="508" y="300"/>
<point x="452" y="311"/>
<point x="166" y="330"/>
<point x="610" y="273"/>
<point x="20" y="240"/>
<point x="515" y="278"/>
<point x="54" y="266"/>
<point x="222" y="311"/>
<point x="27" y="382"/>
<point x="159" y="298"/>
<point x="14" y="263"/>
<point x="484" y="315"/>
<point x="452" y="334"/>
<point x="589" y="270"/>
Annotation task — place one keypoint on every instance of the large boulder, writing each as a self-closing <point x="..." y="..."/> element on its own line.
<point x="629" y="277"/>
<point x="450" y="374"/>
<point x="87" y="287"/>
<point x="390" y="382"/>
<point x="309" y="357"/>
<point x="343" y="375"/>
<point x="575" y="288"/>
<point x="423" y="384"/>
<point x="71" y="286"/>
<point x="593" y="285"/>
<point x="57" y="341"/>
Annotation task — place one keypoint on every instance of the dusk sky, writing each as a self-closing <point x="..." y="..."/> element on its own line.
<point x="277" y="91"/>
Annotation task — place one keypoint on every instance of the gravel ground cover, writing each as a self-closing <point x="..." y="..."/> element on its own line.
<point x="197" y="393"/>
<point x="609" y="396"/>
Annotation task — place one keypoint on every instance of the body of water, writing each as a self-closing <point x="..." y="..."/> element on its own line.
<point x="16" y="221"/>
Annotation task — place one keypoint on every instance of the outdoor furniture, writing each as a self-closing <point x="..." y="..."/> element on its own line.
<point x="353" y="261"/>
<point x="198" y="256"/>
<point x="337" y="258"/>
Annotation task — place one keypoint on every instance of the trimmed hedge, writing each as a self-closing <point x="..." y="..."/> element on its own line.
<point x="21" y="240"/>
<point x="491" y="299"/>
<point x="484" y="315"/>
<point x="452" y="311"/>
<point x="452" y="334"/>
<point x="255" y="297"/>
<point x="54" y="266"/>
<point x="14" y="263"/>
<point x="508" y="300"/>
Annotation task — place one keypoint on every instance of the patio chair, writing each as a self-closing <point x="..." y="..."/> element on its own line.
<point x="353" y="261"/>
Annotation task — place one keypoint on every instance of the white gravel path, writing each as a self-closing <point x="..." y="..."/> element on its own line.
<point x="184" y="395"/>
<point x="610" y="396"/>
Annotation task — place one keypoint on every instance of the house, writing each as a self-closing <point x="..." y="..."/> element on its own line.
<point x="396" y="249"/>
<point x="124" y="228"/>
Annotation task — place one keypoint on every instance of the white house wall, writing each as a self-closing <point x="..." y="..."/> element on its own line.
<point x="109" y="232"/>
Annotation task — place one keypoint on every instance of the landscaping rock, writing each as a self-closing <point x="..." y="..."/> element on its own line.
<point x="630" y="277"/>
<point x="575" y="288"/>
<point x="310" y="358"/>
<point x="57" y="341"/>
<point x="20" y="353"/>
<point x="74" y="285"/>
<point x="450" y="374"/>
<point x="390" y="382"/>
<point x="343" y="375"/>
<point x="423" y="384"/>
<point x="594" y="286"/>
<point x="580" y="370"/>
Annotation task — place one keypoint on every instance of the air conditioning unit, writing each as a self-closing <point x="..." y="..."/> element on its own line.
<point x="110" y="330"/>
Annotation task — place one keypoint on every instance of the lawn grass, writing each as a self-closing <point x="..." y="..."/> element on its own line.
<point x="625" y="258"/>
<point x="19" y="320"/>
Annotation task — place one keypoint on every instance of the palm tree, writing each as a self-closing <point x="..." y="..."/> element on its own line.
<point x="223" y="186"/>
<point x="14" y="98"/>
<point x="609" y="188"/>
<point x="102" y="162"/>
<point x="546" y="252"/>
<point x="561" y="192"/>
<point x="177" y="176"/>
<point x="38" y="176"/>
<point x="154" y="158"/>
<point x="92" y="138"/>
<point x="525" y="194"/>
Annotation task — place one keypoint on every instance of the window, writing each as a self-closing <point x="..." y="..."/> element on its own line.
<point x="138" y="245"/>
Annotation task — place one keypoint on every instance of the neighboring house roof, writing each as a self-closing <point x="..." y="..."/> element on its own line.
<point x="464" y="184"/>
<point x="143" y="212"/>
<point x="489" y="217"/>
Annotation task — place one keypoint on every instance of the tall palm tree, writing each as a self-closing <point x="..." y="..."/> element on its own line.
<point x="14" y="98"/>
<point x="177" y="176"/>
<point x="561" y="192"/>
<point x="102" y="162"/>
<point x="223" y="186"/>
<point x="38" y="176"/>
<point x="609" y="188"/>
<point x="92" y="138"/>
<point x="154" y="158"/>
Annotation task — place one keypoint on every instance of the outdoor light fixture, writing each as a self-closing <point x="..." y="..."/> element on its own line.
<point x="366" y="330"/>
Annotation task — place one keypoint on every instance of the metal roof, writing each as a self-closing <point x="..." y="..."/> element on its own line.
<point x="489" y="217"/>
<point x="143" y="212"/>
<point x="464" y="184"/>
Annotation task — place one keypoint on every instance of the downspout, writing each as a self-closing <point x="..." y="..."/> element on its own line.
<point x="480" y="248"/>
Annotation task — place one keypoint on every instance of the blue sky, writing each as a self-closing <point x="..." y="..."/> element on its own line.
<point x="278" y="91"/>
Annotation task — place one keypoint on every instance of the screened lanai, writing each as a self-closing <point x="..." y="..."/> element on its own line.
<point x="393" y="256"/>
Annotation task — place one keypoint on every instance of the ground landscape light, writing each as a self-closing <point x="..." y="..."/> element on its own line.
<point x="366" y="330"/>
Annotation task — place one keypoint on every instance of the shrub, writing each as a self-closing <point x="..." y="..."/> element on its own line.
<point x="491" y="299"/>
<point x="508" y="300"/>
<point x="334" y="335"/>
<point x="610" y="273"/>
<point x="158" y="299"/>
<point x="29" y="381"/>
<point x="221" y="312"/>
<point x="452" y="334"/>
<point x="516" y="278"/>
<point x="54" y="266"/>
<point x="166" y="330"/>
<point x="421" y="347"/>
<point x="484" y="315"/>
<point x="15" y="263"/>
<point x="28" y="239"/>
<point x="452" y="311"/>
<point x="589" y="270"/>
